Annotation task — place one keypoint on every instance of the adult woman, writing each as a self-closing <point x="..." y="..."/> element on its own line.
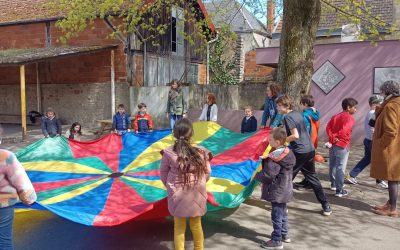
<point x="15" y="186"/>
<point x="385" y="163"/>
<point x="270" y="112"/>
<point x="176" y="106"/>
<point x="210" y="109"/>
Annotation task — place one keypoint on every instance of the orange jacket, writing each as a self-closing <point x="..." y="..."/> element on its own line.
<point x="142" y="123"/>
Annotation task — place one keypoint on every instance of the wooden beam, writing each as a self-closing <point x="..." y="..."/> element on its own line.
<point x="38" y="90"/>
<point x="23" y="101"/>
<point x="112" y="84"/>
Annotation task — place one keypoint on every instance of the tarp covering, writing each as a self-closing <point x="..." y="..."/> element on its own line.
<point x="114" y="179"/>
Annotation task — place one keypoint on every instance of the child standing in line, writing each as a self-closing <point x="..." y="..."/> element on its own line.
<point x="143" y="122"/>
<point x="184" y="170"/>
<point x="373" y="101"/>
<point x="121" y="121"/>
<point x="339" y="130"/>
<point x="51" y="125"/>
<point x="249" y="122"/>
<point x="74" y="133"/>
<point x="303" y="149"/>
<point x="276" y="178"/>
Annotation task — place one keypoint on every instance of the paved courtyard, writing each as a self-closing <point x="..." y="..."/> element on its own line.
<point x="352" y="225"/>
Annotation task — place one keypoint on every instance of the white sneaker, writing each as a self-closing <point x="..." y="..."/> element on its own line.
<point x="351" y="180"/>
<point x="382" y="184"/>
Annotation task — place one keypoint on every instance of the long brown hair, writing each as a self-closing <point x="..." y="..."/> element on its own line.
<point x="274" y="88"/>
<point x="191" y="160"/>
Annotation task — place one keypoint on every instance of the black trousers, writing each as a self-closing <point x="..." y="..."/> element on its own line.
<point x="305" y="163"/>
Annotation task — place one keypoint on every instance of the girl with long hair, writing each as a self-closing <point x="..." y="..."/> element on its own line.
<point x="184" y="170"/>
<point x="74" y="133"/>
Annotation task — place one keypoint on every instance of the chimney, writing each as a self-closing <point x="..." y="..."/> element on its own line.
<point x="270" y="15"/>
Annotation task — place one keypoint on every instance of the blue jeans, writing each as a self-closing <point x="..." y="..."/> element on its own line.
<point x="337" y="166"/>
<point x="122" y="132"/>
<point x="365" y="161"/>
<point x="279" y="219"/>
<point x="6" y="228"/>
<point x="173" y="119"/>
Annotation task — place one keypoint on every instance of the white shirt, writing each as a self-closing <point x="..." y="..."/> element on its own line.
<point x="213" y="113"/>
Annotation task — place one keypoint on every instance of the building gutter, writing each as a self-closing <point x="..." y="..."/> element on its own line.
<point x="51" y="19"/>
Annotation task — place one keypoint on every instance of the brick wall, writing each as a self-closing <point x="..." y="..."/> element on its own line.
<point x="22" y="36"/>
<point x="256" y="73"/>
<point x="202" y="73"/>
<point x="78" y="69"/>
<point x="138" y="70"/>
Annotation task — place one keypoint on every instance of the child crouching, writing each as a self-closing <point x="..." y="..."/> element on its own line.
<point x="276" y="179"/>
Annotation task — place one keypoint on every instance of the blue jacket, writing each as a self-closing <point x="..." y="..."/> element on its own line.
<point x="121" y="121"/>
<point x="248" y="125"/>
<point x="310" y="113"/>
<point x="51" y="127"/>
<point x="270" y="111"/>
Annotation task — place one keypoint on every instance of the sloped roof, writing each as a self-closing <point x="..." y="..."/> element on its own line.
<point x="233" y="13"/>
<point x="32" y="55"/>
<point x="12" y="11"/>
<point x="25" y="10"/>
<point x="383" y="9"/>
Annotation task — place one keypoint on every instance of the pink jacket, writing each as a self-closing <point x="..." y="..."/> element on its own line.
<point x="14" y="182"/>
<point x="183" y="202"/>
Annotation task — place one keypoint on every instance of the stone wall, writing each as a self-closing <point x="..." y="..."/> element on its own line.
<point x="229" y="99"/>
<point x="84" y="103"/>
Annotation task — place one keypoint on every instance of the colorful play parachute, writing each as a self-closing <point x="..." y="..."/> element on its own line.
<point x="116" y="178"/>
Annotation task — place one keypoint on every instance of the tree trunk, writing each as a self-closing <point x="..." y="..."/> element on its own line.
<point x="295" y="68"/>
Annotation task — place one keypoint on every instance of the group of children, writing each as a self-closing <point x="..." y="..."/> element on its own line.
<point x="51" y="125"/>
<point x="122" y="122"/>
<point x="294" y="145"/>
<point x="185" y="168"/>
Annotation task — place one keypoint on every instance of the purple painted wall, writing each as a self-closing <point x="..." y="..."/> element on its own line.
<point x="356" y="60"/>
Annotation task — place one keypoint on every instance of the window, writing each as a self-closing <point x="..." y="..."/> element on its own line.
<point x="177" y="29"/>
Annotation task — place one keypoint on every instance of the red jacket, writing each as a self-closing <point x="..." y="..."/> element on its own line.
<point x="142" y="123"/>
<point x="339" y="129"/>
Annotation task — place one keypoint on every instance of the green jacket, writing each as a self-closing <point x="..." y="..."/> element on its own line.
<point x="177" y="105"/>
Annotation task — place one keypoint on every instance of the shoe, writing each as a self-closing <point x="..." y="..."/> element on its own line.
<point x="302" y="183"/>
<point x="341" y="193"/>
<point x="333" y="188"/>
<point x="271" y="244"/>
<point x="286" y="239"/>
<point x="326" y="209"/>
<point x="382" y="184"/>
<point x="351" y="180"/>
<point x="383" y="207"/>
<point x="387" y="212"/>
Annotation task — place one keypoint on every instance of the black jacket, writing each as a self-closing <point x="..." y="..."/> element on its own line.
<point x="249" y="125"/>
<point x="276" y="177"/>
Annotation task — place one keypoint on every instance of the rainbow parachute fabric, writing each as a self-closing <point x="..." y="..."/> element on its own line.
<point x="114" y="179"/>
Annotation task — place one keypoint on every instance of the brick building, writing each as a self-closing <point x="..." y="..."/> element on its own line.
<point x="78" y="86"/>
<point x="251" y="34"/>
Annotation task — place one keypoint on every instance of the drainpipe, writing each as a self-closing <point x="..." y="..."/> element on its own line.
<point x="208" y="58"/>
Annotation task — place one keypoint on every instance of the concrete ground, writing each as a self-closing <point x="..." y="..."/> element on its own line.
<point x="352" y="225"/>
